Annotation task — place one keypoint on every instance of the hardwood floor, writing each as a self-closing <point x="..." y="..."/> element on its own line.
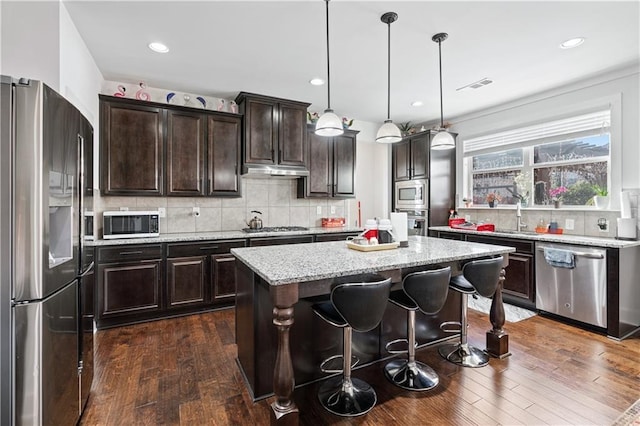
<point x="183" y="371"/>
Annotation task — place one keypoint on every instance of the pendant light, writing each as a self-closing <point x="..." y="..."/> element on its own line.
<point x="443" y="139"/>
<point x="329" y="124"/>
<point x="389" y="132"/>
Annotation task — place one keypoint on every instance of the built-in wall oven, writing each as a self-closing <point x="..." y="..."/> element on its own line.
<point x="411" y="195"/>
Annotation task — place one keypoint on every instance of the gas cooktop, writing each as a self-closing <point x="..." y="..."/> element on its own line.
<point x="276" y="229"/>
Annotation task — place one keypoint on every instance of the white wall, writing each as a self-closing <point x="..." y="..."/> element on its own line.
<point x="373" y="175"/>
<point x="622" y="87"/>
<point x="30" y="41"/>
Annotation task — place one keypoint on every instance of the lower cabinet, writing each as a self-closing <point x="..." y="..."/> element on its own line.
<point x="223" y="281"/>
<point x="519" y="283"/>
<point x="129" y="284"/>
<point x="186" y="281"/>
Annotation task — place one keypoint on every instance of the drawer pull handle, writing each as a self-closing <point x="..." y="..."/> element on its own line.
<point x="209" y="248"/>
<point x="124" y="253"/>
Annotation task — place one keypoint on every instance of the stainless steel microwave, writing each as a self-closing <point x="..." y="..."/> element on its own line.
<point x="130" y="224"/>
<point x="412" y="194"/>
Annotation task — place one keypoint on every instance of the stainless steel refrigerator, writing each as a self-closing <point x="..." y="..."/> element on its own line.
<point x="45" y="336"/>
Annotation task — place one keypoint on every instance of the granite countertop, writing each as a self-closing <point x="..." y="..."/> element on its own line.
<point x="288" y="264"/>
<point x="552" y="238"/>
<point x="222" y="235"/>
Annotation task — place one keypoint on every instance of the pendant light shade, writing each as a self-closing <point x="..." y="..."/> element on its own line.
<point x="389" y="132"/>
<point x="329" y="124"/>
<point x="444" y="139"/>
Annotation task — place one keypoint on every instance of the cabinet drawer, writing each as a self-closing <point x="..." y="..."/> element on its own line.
<point x="272" y="241"/>
<point x="521" y="246"/>
<point x="126" y="253"/>
<point x="338" y="236"/>
<point x="203" y="248"/>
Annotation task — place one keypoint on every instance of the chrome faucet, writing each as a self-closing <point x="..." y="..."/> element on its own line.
<point x="519" y="225"/>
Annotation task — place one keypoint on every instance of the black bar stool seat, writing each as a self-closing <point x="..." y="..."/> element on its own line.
<point x="358" y="304"/>
<point x="481" y="277"/>
<point x="424" y="291"/>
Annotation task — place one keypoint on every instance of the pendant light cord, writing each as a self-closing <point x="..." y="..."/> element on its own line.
<point x="328" y="68"/>
<point x="389" y="70"/>
<point x="440" y="61"/>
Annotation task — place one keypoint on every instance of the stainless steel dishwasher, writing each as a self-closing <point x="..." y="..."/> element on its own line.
<point x="579" y="293"/>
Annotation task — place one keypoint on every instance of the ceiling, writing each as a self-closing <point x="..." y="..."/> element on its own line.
<point x="219" y="48"/>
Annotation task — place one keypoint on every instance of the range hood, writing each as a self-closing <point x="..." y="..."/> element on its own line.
<point x="261" y="170"/>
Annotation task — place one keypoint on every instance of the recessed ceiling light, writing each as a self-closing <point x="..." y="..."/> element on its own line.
<point x="316" y="81"/>
<point x="574" y="42"/>
<point x="158" y="47"/>
<point x="417" y="103"/>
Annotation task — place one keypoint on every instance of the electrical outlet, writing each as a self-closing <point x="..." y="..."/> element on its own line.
<point x="569" y="224"/>
<point x="124" y="209"/>
<point x="333" y="209"/>
<point x="162" y="212"/>
<point x="603" y="225"/>
<point x="196" y="211"/>
<point x="318" y="210"/>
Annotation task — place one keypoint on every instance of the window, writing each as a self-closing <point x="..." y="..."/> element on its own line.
<point x="566" y="160"/>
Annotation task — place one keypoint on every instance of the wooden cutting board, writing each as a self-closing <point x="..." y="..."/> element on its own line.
<point x="375" y="247"/>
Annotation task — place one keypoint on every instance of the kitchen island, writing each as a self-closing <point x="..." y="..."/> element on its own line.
<point x="276" y="284"/>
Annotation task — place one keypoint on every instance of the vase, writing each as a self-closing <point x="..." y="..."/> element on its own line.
<point x="492" y="204"/>
<point x="556" y="204"/>
<point x="601" y="201"/>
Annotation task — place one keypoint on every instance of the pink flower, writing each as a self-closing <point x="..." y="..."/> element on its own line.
<point x="558" y="191"/>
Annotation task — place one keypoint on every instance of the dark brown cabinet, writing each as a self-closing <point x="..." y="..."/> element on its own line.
<point x="129" y="283"/>
<point x="337" y="236"/>
<point x="274" y="130"/>
<point x="223" y="155"/>
<point x="331" y="166"/>
<point x="132" y="142"/>
<point x="519" y="283"/>
<point x="185" y="152"/>
<point x="203" y="150"/>
<point x="411" y="157"/>
<point x="186" y="281"/>
<point x="223" y="278"/>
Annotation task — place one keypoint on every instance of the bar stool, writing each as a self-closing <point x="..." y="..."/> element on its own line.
<point x="425" y="291"/>
<point x="481" y="277"/>
<point x="359" y="305"/>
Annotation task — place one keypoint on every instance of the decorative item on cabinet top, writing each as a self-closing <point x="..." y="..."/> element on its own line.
<point x="142" y="92"/>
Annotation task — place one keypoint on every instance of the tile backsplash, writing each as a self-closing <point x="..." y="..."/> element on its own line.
<point x="585" y="222"/>
<point x="275" y="198"/>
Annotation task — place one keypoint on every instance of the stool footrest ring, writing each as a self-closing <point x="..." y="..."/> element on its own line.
<point x="323" y="366"/>
<point x="399" y="351"/>
<point x="445" y="327"/>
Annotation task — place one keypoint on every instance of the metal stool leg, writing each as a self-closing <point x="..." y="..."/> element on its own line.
<point x="461" y="353"/>
<point x="408" y="373"/>
<point x="345" y="396"/>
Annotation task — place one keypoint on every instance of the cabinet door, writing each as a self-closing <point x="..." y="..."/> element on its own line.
<point x="292" y="128"/>
<point x="186" y="281"/>
<point x="185" y="153"/>
<point x="261" y="132"/>
<point x="223" y="143"/>
<point x="401" y="160"/>
<point x="419" y="151"/>
<point x="320" y="179"/>
<point x="223" y="278"/>
<point x="519" y="276"/>
<point x="132" y="149"/>
<point x="344" y="161"/>
<point x="129" y="288"/>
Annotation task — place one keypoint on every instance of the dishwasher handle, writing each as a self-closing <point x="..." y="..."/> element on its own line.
<point x="582" y="254"/>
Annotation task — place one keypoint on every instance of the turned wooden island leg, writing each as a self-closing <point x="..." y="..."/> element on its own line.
<point x="497" y="338"/>
<point x="284" y="410"/>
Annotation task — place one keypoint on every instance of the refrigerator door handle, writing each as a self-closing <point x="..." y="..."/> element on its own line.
<point x="80" y="188"/>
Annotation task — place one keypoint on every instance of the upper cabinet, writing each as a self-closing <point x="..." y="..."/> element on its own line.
<point x="157" y="149"/>
<point x="331" y="166"/>
<point x="411" y="157"/>
<point x="274" y="130"/>
<point x="132" y="141"/>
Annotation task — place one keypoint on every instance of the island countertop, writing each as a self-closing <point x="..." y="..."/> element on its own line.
<point x="287" y="264"/>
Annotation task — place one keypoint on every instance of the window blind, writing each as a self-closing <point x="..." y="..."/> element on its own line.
<point x="554" y="131"/>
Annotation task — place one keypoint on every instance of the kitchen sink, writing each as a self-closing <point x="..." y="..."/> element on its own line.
<point x="511" y="231"/>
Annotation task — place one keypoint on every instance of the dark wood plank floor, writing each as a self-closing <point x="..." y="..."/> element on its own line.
<point x="183" y="371"/>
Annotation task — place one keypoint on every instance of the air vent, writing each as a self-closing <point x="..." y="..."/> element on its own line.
<point x="476" y="84"/>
